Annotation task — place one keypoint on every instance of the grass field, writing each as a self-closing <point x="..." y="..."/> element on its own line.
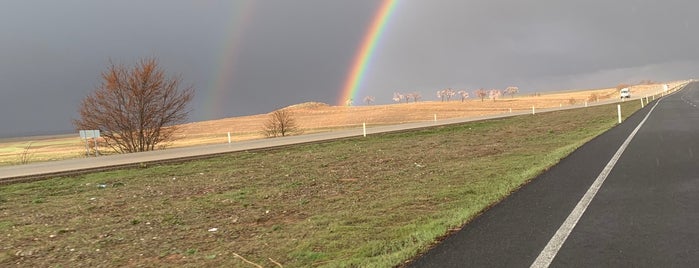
<point x="360" y="202"/>
<point x="317" y="117"/>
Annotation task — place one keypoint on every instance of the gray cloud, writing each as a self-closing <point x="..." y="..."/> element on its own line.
<point x="294" y="51"/>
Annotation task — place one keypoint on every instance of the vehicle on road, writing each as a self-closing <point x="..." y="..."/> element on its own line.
<point x="625" y="93"/>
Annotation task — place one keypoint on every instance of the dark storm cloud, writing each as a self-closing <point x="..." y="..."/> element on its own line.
<point x="495" y="43"/>
<point x="52" y="52"/>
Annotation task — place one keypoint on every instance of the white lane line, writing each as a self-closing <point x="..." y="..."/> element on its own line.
<point x="554" y="245"/>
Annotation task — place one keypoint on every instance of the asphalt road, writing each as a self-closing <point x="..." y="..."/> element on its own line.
<point x="19" y="173"/>
<point x="643" y="213"/>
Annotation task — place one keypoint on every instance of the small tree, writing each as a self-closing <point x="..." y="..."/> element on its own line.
<point x="408" y="96"/>
<point x="446" y="94"/>
<point x="463" y="94"/>
<point x="280" y="123"/>
<point x="441" y="94"/>
<point x="349" y="102"/>
<point x="494" y="94"/>
<point x="481" y="93"/>
<point x="369" y="100"/>
<point x="416" y="96"/>
<point x="135" y="108"/>
<point x="25" y="156"/>
<point x="398" y="97"/>
<point x="512" y="91"/>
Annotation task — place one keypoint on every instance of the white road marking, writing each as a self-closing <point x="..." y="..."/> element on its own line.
<point x="554" y="245"/>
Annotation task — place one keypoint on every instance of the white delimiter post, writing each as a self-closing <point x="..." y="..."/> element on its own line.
<point x="618" y="111"/>
<point x="364" y="129"/>
<point x="533" y="110"/>
<point x="435" y="117"/>
<point x="641" y="103"/>
<point x="229" y="137"/>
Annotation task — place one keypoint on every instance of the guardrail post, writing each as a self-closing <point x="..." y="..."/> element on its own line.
<point x="618" y="111"/>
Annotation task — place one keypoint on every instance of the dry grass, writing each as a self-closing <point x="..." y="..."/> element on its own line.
<point x="358" y="202"/>
<point x="317" y="117"/>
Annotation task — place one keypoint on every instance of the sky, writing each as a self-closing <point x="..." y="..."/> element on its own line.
<point x="254" y="56"/>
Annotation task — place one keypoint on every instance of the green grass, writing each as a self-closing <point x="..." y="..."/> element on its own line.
<point x="361" y="202"/>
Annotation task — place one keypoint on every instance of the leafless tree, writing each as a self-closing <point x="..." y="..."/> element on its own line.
<point x="481" y="93"/>
<point x="26" y="155"/>
<point x="369" y="100"/>
<point x="494" y="94"/>
<point x="512" y="91"/>
<point x="463" y="94"/>
<point x="446" y="94"/>
<point x="441" y="94"/>
<point x="136" y="108"/>
<point x="416" y="96"/>
<point x="398" y="97"/>
<point x="281" y="123"/>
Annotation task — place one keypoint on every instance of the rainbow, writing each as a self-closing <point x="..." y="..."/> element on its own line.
<point x="221" y="86"/>
<point x="366" y="51"/>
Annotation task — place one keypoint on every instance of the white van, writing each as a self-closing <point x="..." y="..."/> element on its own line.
<point x="625" y="93"/>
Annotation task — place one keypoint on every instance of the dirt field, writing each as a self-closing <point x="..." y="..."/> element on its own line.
<point x="317" y="117"/>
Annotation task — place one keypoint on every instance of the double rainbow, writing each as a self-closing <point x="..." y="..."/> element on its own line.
<point x="366" y="51"/>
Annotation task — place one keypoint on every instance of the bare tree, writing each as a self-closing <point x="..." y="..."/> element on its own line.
<point x="398" y="97"/>
<point x="136" y="108"/>
<point x="281" y="123"/>
<point x="408" y="96"/>
<point x="463" y="94"/>
<point x="494" y="94"/>
<point x="416" y="96"/>
<point x="441" y="94"/>
<point x="481" y="93"/>
<point x="512" y="91"/>
<point x="369" y="100"/>
<point x="25" y="156"/>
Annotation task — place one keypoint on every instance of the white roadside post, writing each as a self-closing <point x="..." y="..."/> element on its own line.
<point x="435" y="117"/>
<point x="618" y="111"/>
<point x="96" y="135"/>
<point x="533" y="110"/>
<point x="641" y="103"/>
<point x="585" y="103"/>
<point x="229" y="137"/>
<point x="364" y="129"/>
<point x="83" y="135"/>
<point x="510" y="110"/>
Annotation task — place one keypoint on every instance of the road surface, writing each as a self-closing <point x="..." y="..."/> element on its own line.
<point x="638" y="209"/>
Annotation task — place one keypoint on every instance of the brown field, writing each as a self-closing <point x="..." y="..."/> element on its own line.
<point x="318" y="117"/>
